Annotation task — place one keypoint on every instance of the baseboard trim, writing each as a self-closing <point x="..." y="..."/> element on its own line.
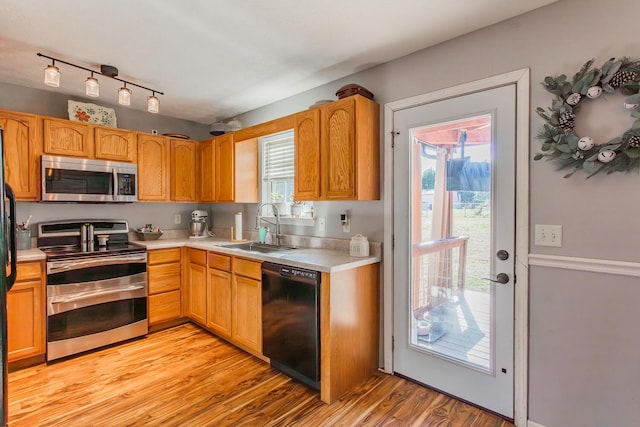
<point x="534" y="424"/>
<point x="593" y="265"/>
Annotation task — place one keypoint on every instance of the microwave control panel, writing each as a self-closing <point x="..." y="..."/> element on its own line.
<point x="126" y="184"/>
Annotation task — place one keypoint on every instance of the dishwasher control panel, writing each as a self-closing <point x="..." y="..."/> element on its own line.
<point x="296" y="272"/>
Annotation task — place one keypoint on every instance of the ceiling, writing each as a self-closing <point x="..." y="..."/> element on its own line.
<point x="217" y="59"/>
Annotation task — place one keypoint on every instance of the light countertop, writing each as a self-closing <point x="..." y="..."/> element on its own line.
<point x="324" y="260"/>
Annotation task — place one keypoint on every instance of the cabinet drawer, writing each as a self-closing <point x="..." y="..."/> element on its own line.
<point x="28" y="270"/>
<point x="197" y="256"/>
<point x="220" y="262"/>
<point x="163" y="256"/>
<point x="163" y="307"/>
<point x="244" y="267"/>
<point x="163" y="278"/>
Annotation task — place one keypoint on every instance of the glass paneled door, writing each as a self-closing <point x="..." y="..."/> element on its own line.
<point x="454" y="204"/>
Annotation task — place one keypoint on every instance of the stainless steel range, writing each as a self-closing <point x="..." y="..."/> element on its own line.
<point x="96" y="285"/>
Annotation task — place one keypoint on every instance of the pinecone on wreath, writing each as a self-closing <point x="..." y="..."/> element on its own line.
<point x="567" y="121"/>
<point x="622" y="77"/>
<point x="634" y="141"/>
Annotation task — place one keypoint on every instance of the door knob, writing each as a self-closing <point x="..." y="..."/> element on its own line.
<point x="502" y="255"/>
<point x="502" y="278"/>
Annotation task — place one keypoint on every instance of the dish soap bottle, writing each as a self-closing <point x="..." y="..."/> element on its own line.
<point x="268" y="239"/>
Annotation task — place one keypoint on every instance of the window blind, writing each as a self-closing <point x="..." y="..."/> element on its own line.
<point x="278" y="157"/>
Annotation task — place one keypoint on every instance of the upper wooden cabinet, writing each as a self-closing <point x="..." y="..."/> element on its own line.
<point x="345" y="163"/>
<point x="206" y="164"/>
<point x="183" y="170"/>
<point x="224" y="168"/>
<point x="67" y="138"/>
<point x="22" y="145"/>
<point x="246" y="171"/>
<point x="153" y="168"/>
<point x="115" y="144"/>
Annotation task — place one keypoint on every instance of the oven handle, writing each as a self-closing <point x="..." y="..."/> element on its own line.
<point x="92" y="294"/>
<point x="115" y="184"/>
<point x="60" y="266"/>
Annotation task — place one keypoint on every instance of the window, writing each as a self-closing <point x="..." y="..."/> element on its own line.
<point x="278" y="176"/>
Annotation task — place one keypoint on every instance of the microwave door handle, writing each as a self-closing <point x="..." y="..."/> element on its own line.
<point x="115" y="184"/>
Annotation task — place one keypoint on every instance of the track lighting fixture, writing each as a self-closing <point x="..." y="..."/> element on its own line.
<point x="92" y="86"/>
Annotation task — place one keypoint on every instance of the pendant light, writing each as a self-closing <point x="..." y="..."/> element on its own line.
<point x="124" y="95"/>
<point x="92" y="86"/>
<point x="153" y="103"/>
<point x="52" y="75"/>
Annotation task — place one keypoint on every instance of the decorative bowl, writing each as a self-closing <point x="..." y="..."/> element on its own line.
<point x="148" y="235"/>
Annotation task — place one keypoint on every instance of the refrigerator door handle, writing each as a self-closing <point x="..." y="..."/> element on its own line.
<point x="13" y="253"/>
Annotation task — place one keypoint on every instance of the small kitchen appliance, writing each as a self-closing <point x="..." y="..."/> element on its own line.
<point x="198" y="226"/>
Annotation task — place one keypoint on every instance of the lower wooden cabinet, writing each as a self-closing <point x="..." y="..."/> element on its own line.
<point x="164" y="277"/>
<point x="247" y="304"/>
<point x="219" y="294"/>
<point x="197" y="306"/>
<point x="26" y="313"/>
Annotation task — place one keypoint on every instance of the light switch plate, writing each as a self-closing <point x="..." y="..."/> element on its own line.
<point x="322" y="227"/>
<point x="548" y="235"/>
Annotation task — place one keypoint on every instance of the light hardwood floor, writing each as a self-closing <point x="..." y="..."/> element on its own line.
<point x="184" y="376"/>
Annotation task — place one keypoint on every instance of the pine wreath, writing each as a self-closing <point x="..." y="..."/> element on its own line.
<point x="562" y="145"/>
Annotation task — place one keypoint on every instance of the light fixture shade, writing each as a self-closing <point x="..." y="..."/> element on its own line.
<point x="124" y="96"/>
<point x="92" y="87"/>
<point x="52" y="76"/>
<point x="153" y="104"/>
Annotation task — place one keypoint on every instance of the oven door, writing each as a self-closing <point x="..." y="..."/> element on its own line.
<point x="95" y="302"/>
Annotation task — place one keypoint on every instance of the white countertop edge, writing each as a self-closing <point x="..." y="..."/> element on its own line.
<point x="31" y="255"/>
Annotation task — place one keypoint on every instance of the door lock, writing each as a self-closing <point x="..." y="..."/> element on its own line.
<point x="502" y="255"/>
<point x="502" y="278"/>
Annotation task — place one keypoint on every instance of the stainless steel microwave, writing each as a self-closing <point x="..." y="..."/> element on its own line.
<point x="68" y="179"/>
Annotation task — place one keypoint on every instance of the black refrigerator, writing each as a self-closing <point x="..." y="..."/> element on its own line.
<point x="8" y="255"/>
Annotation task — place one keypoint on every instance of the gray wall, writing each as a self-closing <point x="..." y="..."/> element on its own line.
<point x="578" y="378"/>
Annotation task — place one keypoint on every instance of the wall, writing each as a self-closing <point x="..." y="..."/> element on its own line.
<point x="52" y="104"/>
<point x="577" y="378"/>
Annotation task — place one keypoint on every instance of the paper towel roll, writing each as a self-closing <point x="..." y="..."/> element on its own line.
<point x="238" y="226"/>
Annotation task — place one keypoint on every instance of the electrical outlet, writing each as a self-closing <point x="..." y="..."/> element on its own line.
<point x="548" y="235"/>
<point x="346" y="226"/>
<point x="322" y="227"/>
<point x="177" y="218"/>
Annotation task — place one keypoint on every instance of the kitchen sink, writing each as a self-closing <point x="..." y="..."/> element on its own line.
<point x="259" y="247"/>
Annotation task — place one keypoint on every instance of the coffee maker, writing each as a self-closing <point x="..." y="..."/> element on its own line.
<point x="198" y="226"/>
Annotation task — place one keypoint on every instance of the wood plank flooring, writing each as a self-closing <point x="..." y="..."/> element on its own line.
<point x="184" y="376"/>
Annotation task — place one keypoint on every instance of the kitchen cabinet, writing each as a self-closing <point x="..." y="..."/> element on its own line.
<point x="246" y="171"/>
<point x="67" y="138"/>
<point x="224" y="168"/>
<point x="22" y="145"/>
<point x="183" y="170"/>
<point x="219" y="294"/>
<point x="115" y="144"/>
<point x="164" y="279"/>
<point x="206" y="161"/>
<point x="337" y="151"/>
<point x="153" y="168"/>
<point x="247" y="304"/>
<point x="197" y="306"/>
<point x="26" y="313"/>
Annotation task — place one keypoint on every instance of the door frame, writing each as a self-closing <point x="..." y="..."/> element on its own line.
<point x="521" y="79"/>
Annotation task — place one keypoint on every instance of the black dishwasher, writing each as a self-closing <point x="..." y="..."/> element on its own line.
<point x="291" y="321"/>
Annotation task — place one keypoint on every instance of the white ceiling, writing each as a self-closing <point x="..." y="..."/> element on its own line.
<point x="217" y="59"/>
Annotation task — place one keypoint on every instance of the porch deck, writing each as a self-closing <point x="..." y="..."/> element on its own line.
<point x="467" y="318"/>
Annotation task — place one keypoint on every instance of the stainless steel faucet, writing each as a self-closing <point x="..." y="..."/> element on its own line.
<point x="276" y="223"/>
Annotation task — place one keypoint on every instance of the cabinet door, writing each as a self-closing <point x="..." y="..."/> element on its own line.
<point x="246" y="171"/>
<point x="164" y="277"/>
<point x="207" y="175"/>
<point x="22" y="145"/>
<point x="198" y="293"/>
<point x="338" y="150"/>
<point x="247" y="314"/>
<point x="219" y="302"/>
<point x="224" y="166"/>
<point x="153" y="168"/>
<point x="25" y="313"/>
<point x="115" y="144"/>
<point x="67" y="138"/>
<point x="183" y="170"/>
<point x="307" y="155"/>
